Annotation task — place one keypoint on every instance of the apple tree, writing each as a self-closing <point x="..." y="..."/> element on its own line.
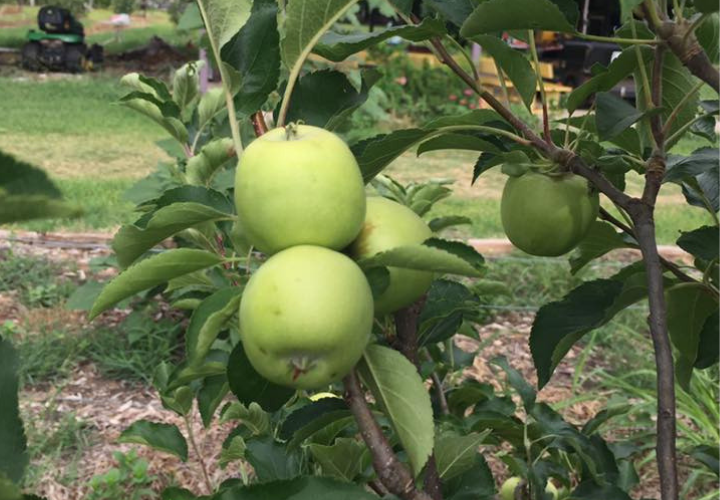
<point x="321" y="322"/>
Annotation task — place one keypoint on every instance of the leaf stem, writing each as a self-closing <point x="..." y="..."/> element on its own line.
<point x="618" y="40"/>
<point x="232" y="116"/>
<point x="541" y="84"/>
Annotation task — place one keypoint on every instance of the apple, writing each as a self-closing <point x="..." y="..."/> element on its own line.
<point x="306" y="316"/>
<point x="547" y="215"/>
<point x="299" y="185"/>
<point x="388" y="225"/>
<point x="507" y="490"/>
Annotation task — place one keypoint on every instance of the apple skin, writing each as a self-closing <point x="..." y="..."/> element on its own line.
<point x="507" y="490"/>
<point x="302" y="190"/>
<point x="547" y="215"/>
<point x="388" y="225"/>
<point x="306" y="316"/>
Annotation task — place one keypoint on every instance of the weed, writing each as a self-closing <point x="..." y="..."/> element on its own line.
<point x="35" y="280"/>
<point x="136" y="348"/>
<point x="130" y="479"/>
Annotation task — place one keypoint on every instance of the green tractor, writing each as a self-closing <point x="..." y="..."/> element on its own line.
<point x="59" y="45"/>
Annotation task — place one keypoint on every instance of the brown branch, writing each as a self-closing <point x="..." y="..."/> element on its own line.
<point x="642" y="215"/>
<point x="670" y="266"/>
<point x="681" y="40"/>
<point x="378" y="487"/>
<point x="393" y="474"/>
<point x="406" y="328"/>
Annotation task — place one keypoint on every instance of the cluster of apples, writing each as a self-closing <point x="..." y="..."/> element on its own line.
<point x="306" y="314"/>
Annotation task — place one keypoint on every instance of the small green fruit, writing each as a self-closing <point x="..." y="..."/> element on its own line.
<point x="547" y="215"/>
<point x="389" y="225"/>
<point x="507" y="490"/>
<point x="306" y="316"/>
<point x="299" y="186"/>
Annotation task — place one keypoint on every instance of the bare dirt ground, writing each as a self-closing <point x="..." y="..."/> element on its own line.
<point x="105" y="407"/>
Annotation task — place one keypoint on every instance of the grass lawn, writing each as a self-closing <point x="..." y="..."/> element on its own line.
<point x="95" y="149"/>
<point x="98" y="31"/>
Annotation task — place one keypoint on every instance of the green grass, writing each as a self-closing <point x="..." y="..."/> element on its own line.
<point x="138" y="34"/>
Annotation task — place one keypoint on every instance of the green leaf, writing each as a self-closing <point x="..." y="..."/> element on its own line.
<point x="210" y="396"/>
<point x="467" y="142"/>
<point x="131" y="241"/>
<point x="190" y="18"/>
<point x="271" y="461"/>
<point x="254" y="53"/>
<point x="471" y="118"/>
<point x="208" y="321"/>
<point x="682" y="168"/>
<point x="311" y="418"/>
<point x="201" y="168"/>
<point x="151" y="272"/>
<point x="629" y="139"/>
<point x="626" y="9"/>
<point x="593" y="425"/>
<point x="486" y="161"/>
<point x="18" y="208"/>
<point x="194" y="194"/>
<point x="323" y="98"/>
<point x="185" y="87"/>
<point x="378" y="278"/>
<point x="175" y="493"/>
<point x="688" y="307"/>
<point x="376" y="153"/>
<point x="13" y="445"/>
<point x="455" y="11"/>
<point x="252" y="416"/>
<point x="590" y="490"/>
<point x="249" y="386"/>
<point x="601" y="239"/>
<point x="18" y="177"/>
<point x="180" y="400"/>
<point x="448" y="303"/>
<point x="513" y="63"/>
<point x="614" y="115"/>
<point x="300" y="488"/>
<point x="708" y="35"/>
<point x="305" y="23"/>
<point x="225" y="18"/>
<point x="503" y="15"/>
<point x="708" y="456"/>
<point x="516" y="380"/>
<point x="83" y="297"/>
<point x="439" y="223"/>
<point x="706" y="6"/>
<point x="171" y="124"/>
<point x="343" y="459"/>
<point x="163" y="437"/>
<point x="476" y="483"/>
<point x="233" y="449"/>
<point x="435" y="255"/>
<point x="338" y="46"/>
<point x="211" y="103"/>
<point x="677" y="83"/>
<point x="620" y="68"/>
<point x="558" y="325"/>
<point x="709" y="342"/>
<point x="399" y="390"/>
<point x="455" y="453"/>
<point x="701" y="242"/>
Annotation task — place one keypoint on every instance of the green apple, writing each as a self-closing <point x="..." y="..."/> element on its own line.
<point x="306" y="316"/>
<point x="299" y="185"/>
<point x="547" y="215"/>
<point x="507" y="490"/>
<point x="388" y="225"/>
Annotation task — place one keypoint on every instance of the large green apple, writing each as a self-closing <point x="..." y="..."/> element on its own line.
<point x="388" y="225"/>
<point x="547" y="215"/>
<point x="299" y="185"/>
<point x="306" y="316"/>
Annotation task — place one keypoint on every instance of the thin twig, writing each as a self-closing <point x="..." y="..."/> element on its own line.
<point x="392" y="473"/>
<point x="193" y="443"/>
<point x="656" y="90"/>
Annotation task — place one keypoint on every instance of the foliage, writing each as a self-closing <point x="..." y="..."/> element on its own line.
<point x="425" y="421"/>
<point x="130" y="479"/>
<point x="34" y="280"/>
<point x="124" y="6"/>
